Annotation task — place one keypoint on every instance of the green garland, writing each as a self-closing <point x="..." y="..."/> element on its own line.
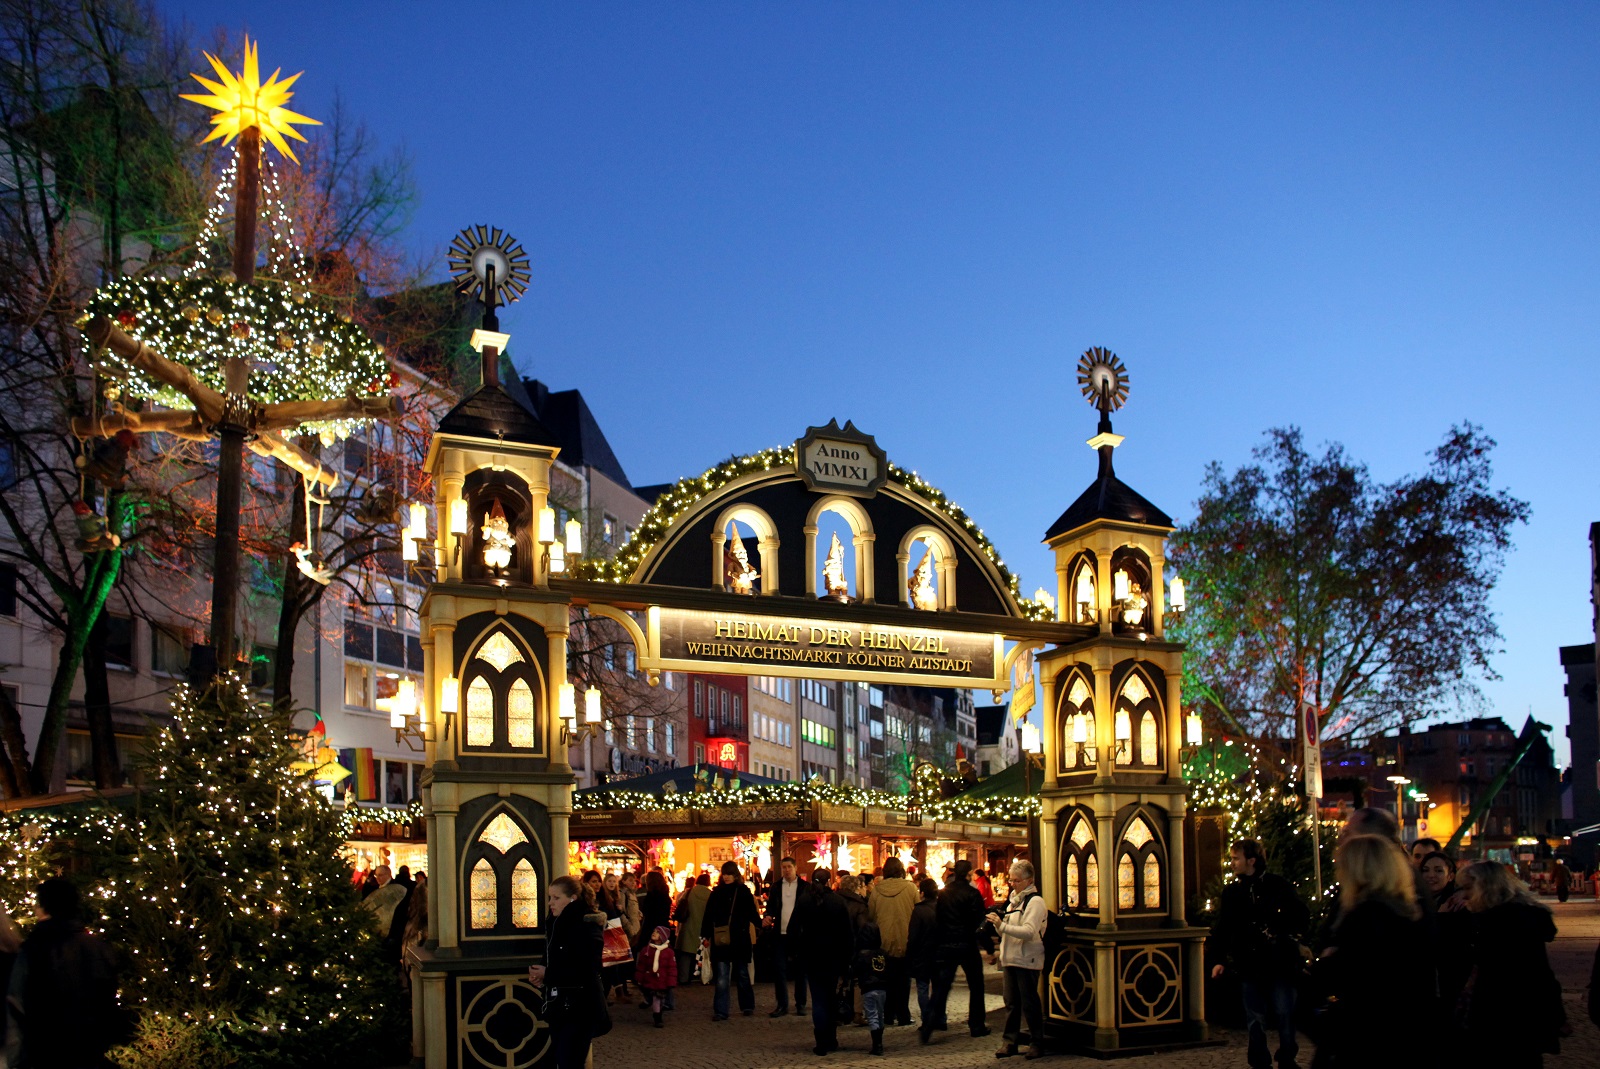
<point x="949" y="809"/>
<point x="299" y="349"/>
<point x="672" y="504"/>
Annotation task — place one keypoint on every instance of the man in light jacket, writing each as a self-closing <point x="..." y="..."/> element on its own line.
<point x="889" y="907"/>
<point x="1021" y="928"/>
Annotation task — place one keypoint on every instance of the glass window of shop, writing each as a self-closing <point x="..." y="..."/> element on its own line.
<point x="382" y="645"/>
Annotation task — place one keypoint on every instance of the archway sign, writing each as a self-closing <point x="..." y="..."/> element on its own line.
<point x="820" y="559"/>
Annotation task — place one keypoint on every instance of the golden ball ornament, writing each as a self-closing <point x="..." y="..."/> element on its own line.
<point x="214" y="315"/>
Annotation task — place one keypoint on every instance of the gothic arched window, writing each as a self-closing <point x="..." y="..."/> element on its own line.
<point x="1080" y="883"/>
<point x="502" y="882"/>
<point x="1077" y="702"/>
<point x="1141" y="863"/>
<point x="502" y="706"/>
<point x="1139" y="707"/>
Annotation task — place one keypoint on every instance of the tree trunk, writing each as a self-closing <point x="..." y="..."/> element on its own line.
<point x="292" y="609"/>
<point x="14" y="779"/>
<point x="97" y="709"/>
<point x="52" y="732"/>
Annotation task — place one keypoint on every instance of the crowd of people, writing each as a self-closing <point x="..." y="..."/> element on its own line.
<point x="1418" y="960"/>
<point x="843" y="948"/>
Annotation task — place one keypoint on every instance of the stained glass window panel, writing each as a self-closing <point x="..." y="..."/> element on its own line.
<point x="1091" y="882"/>
<point x="502" y="833"/>
<point x="1125" y="898"/>
<point x="1079" y="692"/>
<point x="500" y="651"/>
<point x="1138" y="833"/>
<point x="480" y="713"/>
<point x="1134" y="689"/>
<point x="1080" y="834"/>
<point x="1149" y="749"/>
<point x="1072" y="883"/>
<point x="1152" y="883"/>
<point x="1069" y="749"/>
<point x="519" y="715"/>
<point x="524" y="896"/>
<point x="483" y="896"/>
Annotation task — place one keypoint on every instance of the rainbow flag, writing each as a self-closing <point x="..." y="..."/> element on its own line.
<point x="359" y="761"/>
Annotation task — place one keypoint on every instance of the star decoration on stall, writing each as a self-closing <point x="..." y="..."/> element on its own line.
<point x="242" y="101"/>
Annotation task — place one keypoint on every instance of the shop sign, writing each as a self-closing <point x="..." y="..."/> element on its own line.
<point x="692" y="639"/>
<point x="841" y="460"/>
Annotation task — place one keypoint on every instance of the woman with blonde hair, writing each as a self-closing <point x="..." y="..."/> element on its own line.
<point x="1510" y="1011"/>
<point x="1376" y="963"/>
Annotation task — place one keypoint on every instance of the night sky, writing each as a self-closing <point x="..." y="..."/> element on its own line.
<point x="1369" y="221"/>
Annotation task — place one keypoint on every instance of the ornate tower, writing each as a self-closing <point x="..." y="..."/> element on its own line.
<point x="1111" y="831"/>
<point x="498" y="786"/>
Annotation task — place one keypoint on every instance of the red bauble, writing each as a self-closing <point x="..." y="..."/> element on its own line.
<point x="126" y="318"/>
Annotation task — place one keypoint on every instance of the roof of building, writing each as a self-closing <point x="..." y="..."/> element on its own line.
<point x="991" y="722"/>
<point x="577" y="432"/>
<point x="492" y="412"/>
<point x="1021" y="780"/>
<point x="1108" y="498"/>
<point x="653" y="492"/>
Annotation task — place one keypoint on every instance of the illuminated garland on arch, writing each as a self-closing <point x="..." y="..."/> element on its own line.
<point x="1005" y="809"/>
<point x="683" y="495"/>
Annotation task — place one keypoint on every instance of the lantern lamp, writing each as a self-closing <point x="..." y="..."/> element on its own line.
<point x="558" y="558"/>
<point x="450" y="695"/>
<point x="404" y="704"/>
<point x="591" y="705"/>
<point x="547" y="526"/>
<point x="1119" y="585"/>
<point x="574" y="534"/>
<point x="408" y="548"/>
<point x="568" y="704"/>
<point x="458" y="517"/>
<point x="1192" y="729"/>
<point x="1177" y="596"/>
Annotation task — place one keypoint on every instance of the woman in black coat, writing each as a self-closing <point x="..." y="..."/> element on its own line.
<point x="574" y="998"/>
<point x="1376" y="963"/>
<point x="731" y="907"/>
<point x="1511" y="1010"/>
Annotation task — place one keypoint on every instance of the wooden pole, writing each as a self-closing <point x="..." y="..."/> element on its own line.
<point x="235" y="415"/>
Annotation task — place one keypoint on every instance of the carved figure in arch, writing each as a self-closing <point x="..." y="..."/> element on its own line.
<point x="923" y="594"/>
<point x="1134" y="605"/>
<point x="738" y="575"/>
<point x="834" y="583"/>
<point x="497" y="539"/>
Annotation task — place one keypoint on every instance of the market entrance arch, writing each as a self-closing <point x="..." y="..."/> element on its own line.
<point x="743" y="571"/>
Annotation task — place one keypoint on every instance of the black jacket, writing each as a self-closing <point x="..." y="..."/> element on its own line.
<point x="1515" y="1000"/>
<point x="1379" y="962"/>
<point x="730" y="904"/>
<point x="960" y="913"/>
<point x="856" y="906"/>
<point x="922" y="941"/>
<point x="572" y="967"/>
<point x="830" y="942"/>
<point x="871" y="969"/>
<point x="803" y="899"/>
<point x="64" y="984"/>
<point x="655" y="911"/>
<point x="1260" y="926"/>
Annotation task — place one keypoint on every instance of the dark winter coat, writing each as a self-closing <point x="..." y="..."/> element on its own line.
<point x="856" y="906"/>
<point x="572" y="982"/>
<point x="830" y="941"/>
<point x="1259" y="927"/>
<point x="655" y="911"/>
<point x="922" y="941"/>
<point x="733" y="905"/>
<point x="1512" y="1001"/>
<point x="803" y="901"/>
<point x="961" y="913"/>
<point x="63" y="997"/>
<point x="871" y="969"/>
<point x="1379" y="963"/>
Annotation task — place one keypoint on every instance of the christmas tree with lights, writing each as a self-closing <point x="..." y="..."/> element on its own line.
<point x="228" y="891"/>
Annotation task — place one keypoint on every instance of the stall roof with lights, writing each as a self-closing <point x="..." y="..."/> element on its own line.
<point x="491" y="412"/>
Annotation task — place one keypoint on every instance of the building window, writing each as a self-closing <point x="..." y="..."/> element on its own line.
<point x="672" y="748"/>
<point x="169" y="655"/>
<point x="699" y="753"/>
<point x="519" y="715"/>
<point x="629" y="661"/>
<point x="628" y="735"/>
<point x="650" y="735"/>
<point x="485" y="904"/>
<point x="8" y="590"/>
<point x="608" y="530"/>
<point x="119" y="640"/>
<point x="699" y="700"/>
<point x="480" y="713"/>
<point x="524" y="896"/>
<point x="357" y="685"/>
<point x="608" y="657"/>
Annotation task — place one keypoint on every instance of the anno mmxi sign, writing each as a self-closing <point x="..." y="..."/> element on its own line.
<point x="756" y="644"/>
<point x="841" y="460"/>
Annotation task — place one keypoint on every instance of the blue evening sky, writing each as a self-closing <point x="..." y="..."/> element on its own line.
<point x="1370" y="221"/>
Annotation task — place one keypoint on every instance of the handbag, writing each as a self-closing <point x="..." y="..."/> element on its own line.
<point x="844" y="1003"/>
<point x="615" y="950"/>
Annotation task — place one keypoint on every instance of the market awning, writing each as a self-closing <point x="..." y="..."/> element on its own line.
<point x="1021" y="780"/>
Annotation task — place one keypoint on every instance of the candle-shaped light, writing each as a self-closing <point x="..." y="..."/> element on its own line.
<point x="1119" y="585"/>
<point x="403" y="704"/>
<point x="1080" y="729"/>
<point x="1124" y="726"/>
<point x="547" y="526"/>
<point x="574" y="538"/>
<point x="408" y="547"/>
<point x="1192" y="729"/>
<point x="458" y="516"/>
<point x="558" y="558"/>
<point x="591" y="705"/>
<point x="568" y="703"/>
<point x="1045" y="598"/>
<point x="418" y="528"/>
<point x="1030" y="738"/>
<point x="1085" y="588"/>
<point x="1177" y="596"/>
<point x="450" y="695"/>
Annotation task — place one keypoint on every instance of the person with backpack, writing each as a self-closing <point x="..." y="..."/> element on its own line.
<point x="1259" y="928"/>
<point x="1020" y="925"/>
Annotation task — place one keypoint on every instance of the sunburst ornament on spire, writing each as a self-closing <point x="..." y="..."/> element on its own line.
<point x="242" y="101"/>
<point x="1103" y="378"/>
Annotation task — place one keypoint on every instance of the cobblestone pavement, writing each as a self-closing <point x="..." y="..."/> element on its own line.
<point x="692" y="1041"/>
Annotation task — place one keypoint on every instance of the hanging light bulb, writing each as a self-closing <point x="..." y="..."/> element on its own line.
<point x="574" y="538"/>
<point x="1177" y="595"/>
<point x="547" y="526"/>
<point x="458" y="516"/>
<point x="1193" y="729"/>
<point x="591" y="705"/>
<point x="450" y="695"/>
<point x="418" y="528"/>
<point x="568" y="704"/>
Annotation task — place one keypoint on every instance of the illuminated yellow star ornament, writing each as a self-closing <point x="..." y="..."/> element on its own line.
<point x="241" y="101"/>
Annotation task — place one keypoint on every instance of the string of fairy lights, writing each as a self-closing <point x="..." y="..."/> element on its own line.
<point x="299" y="348"/>
<point x="688" y="491"/>
<point x="1008" y="809"/>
